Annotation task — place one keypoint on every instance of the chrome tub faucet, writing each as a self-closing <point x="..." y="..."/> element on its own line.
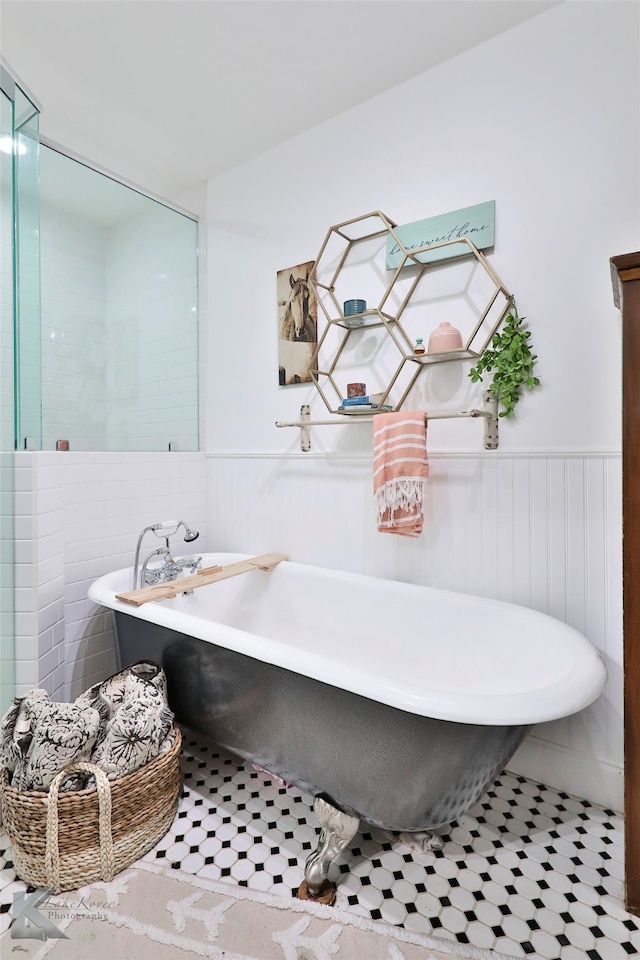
<point x="170" y="569"/>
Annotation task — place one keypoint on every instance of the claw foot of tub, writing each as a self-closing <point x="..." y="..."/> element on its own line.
<point x="422" y="842"/>
<point x="327" y="894"/>
<point x="338" y="829"/>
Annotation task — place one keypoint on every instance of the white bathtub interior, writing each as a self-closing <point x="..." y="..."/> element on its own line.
<point x="434" y="652"/>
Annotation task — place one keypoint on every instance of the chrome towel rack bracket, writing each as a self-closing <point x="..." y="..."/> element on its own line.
<point x="488" y="413"/>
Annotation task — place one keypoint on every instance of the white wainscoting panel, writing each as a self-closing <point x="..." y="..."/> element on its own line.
<point x="544" y="531"/>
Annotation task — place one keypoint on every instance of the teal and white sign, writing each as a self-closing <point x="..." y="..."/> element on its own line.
<point x="477" y="223"/>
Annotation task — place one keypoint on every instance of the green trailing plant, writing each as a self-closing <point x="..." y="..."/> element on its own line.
<point x="511" y="361"/>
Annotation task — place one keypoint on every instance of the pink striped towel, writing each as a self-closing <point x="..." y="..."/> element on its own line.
<point x="400" y="470"/>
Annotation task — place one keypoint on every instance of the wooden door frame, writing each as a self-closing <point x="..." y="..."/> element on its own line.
<point x="625" y="276"/>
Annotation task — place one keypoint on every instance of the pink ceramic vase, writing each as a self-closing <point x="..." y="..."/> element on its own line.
<point x="445" y="338"/>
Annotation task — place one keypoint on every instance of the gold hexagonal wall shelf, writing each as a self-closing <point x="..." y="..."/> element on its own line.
<point x="352" y="257"/>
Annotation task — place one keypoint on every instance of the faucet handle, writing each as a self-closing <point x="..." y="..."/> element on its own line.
<point x="190" y="564"/>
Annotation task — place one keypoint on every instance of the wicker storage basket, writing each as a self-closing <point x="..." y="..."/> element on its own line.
<point x="66" y="840"/>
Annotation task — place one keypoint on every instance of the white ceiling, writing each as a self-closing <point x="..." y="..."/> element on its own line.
<point x="167" y="93"/>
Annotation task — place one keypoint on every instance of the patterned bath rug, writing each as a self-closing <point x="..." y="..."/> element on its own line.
<point x="148" y="912"/>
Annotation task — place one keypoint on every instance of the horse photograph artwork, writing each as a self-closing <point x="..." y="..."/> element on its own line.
<point x="297" y="324"/>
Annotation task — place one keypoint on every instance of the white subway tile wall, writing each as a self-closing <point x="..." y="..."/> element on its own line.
<point x="119" y="332"/>
<point x="78" y="516"/>
<point x="73" y="291"/>
<point x="153" y="332"/>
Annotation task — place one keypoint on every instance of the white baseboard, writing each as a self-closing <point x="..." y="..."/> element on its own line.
<point x="570" y="771"/>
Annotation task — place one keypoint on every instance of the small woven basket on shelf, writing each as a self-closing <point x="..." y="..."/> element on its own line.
<point x="64" y="840"/>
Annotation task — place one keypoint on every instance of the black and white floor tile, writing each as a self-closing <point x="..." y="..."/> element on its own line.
<point x="527" y="872"/>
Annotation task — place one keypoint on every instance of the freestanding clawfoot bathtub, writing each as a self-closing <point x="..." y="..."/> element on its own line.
<point x="386" y="701"/>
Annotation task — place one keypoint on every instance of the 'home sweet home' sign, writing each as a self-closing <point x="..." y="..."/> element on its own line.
<point x="477" y="223"/>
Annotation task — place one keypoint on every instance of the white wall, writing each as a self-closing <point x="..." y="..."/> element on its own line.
<point x="544" y="120"/>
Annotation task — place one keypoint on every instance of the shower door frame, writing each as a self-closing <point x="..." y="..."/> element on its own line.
<point x="7" y="401"/>
<point x="625" y="275"/>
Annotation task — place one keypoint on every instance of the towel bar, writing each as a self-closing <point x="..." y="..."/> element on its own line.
<point x="489" y="414"/>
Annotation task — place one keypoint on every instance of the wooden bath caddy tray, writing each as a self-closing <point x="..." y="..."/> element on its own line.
<point x="165" y="591"/>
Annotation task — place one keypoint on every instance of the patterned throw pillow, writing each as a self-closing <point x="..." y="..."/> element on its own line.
<point x="47" y="737"/>
<point x="141" y="727"/>
<point x="15" y="730"/>
<point x="107" y="696"/>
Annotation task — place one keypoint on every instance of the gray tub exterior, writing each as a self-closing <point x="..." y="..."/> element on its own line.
<point x="391" y="768"/>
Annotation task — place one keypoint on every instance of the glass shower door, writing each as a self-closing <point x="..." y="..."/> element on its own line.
<point x="28" y="330"/>
<point x="19" y="342"/>
<point x="7" y="402"/>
